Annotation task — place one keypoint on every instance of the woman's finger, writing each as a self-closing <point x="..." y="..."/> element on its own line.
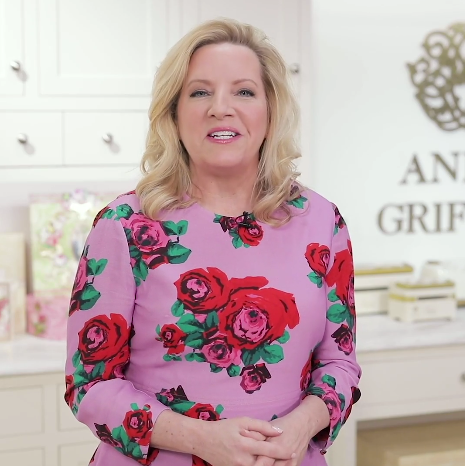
<point x="263" y="427"/>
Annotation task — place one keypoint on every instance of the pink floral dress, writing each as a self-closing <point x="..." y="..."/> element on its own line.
<point x="212" y="317"/>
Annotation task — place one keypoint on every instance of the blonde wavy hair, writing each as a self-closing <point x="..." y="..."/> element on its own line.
<point x="165" y="165"/>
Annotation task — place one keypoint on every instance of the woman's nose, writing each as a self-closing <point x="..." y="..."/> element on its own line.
<point x="220" y="106"/>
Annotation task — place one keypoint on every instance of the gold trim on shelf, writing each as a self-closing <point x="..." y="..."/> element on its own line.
<point x="417" y="286"/>
<point x="384" y="270"/>
<point x="399" y="297"/>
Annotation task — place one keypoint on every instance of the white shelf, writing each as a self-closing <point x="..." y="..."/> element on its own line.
<point x="127" y="173"/>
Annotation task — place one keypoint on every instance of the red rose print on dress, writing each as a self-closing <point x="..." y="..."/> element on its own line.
<point x="244" y="230"/>
<point x="150" y="242"/>
<point x="202" y="291"/>
<point x="217" y="351"/>
<point x="229" y="323"/>
<point x="334" y="401"/>
<point x="102" y="338"/>
<point x="306" y="374"/>
<point x="138" y="425"/>
<point x="339" y="222"/>
<point x="344" y="339"/>
<point x="204" y="412"/>
<point x="102" y="354"/>
<point x="84" y="295"/>
<point x="173" y="338"/>
<point x="254" y="317"/>
<point x="253" y="377"/>
<point x="317" y="256"/>
<point x="342" y="276"/>
<point x="132" y="438"/>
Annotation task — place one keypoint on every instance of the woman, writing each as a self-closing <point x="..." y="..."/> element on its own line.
<point x="220" y="290"/>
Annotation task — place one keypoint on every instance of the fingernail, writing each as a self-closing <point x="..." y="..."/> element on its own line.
<point x="278" y="429"/>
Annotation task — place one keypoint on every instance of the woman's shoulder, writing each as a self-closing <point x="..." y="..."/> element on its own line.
<point x="129" y="198"/>
<point x="312" y="203"/>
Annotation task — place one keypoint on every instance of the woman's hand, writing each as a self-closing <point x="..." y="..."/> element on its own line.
<point x="299" y="427"/>
<point x="240" y="441"/>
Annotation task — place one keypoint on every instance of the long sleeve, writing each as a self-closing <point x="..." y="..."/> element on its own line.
<point x="98" y="345"/>
<point x="335" y="372"/>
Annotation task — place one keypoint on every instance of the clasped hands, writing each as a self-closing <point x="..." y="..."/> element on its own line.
<point x="251" y="442"/>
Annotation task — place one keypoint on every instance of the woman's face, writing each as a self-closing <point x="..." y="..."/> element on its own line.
<point x="222" y="112"/>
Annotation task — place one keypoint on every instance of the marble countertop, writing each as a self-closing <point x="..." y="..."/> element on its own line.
<point x="378" y="332"/>
<point x="32" y="355"/>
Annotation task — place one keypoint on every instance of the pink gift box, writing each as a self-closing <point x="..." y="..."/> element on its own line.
<point x="47" y="314"/>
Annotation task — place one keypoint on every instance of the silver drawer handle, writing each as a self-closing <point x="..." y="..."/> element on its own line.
<point x="15" y="65"/>
<point x="294" y="68"/>
<point x="107" y="137"/>
<point x="22" y="138"/>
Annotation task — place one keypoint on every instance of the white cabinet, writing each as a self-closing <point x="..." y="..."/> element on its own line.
<point x="41" y="430"/>
<point x="104" y="48"/>
<point x="104" y="138"/>
<point x="30" y="139"/>
<point x="12" y="72"/>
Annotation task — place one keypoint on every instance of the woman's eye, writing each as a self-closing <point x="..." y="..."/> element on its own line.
<point x="246" y="93"/>
<point x="199" y="93"/>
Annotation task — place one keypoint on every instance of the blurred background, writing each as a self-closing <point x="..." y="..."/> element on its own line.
<point x="381" y="86"/>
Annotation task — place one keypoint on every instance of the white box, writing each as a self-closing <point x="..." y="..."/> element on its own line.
<point x="371" y="286"/>
<point x="412" y="302"/>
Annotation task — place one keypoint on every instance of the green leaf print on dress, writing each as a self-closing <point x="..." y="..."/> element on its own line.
<point x="84" y="295"/>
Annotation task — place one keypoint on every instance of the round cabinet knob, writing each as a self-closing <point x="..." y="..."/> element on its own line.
<point x="294" y="68"/>
<point x="22" y="138"/>
<point x="107" y="137"/>
<point x="463" y="377"/>
<point x="15" y="65"/>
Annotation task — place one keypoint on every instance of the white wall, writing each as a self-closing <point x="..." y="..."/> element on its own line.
<point x="367" y="124"/>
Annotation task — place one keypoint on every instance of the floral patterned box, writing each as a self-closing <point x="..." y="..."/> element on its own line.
<point x="60" y="224"/>
<point x="6" y="315"/>
<point x="47" y="314"/>
<point x="13" y="270"/>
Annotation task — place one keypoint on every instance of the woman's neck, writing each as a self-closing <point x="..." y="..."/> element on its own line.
<point x="224" y="196"/>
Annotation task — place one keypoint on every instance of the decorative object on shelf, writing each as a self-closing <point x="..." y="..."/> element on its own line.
<point x="453" y="270"/>
<point x="47" y="314"/>
<point x="6" y="312"/>
<point x="438" y="444"/>
<point x="60" y="224"/>
<point x="371" y="285"/>
<point x="13" y="263"/>
<point x="412" y="302"/>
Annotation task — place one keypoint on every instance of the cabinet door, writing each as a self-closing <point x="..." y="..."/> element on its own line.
<point x="12" y="72"/>
<point x="279" y="19"/>
<point x="108" y="47"/>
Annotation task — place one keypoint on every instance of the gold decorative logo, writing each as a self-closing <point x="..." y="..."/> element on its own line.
<point x="439" y="77"/>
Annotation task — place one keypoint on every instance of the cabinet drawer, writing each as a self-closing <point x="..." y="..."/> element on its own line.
<point x="105" y="138"/>
<point x="413" y="380"/>
<point x="30" y="139"/>
<point x="23" y="457"/>
<point x="78" y="454"/>
<point x="23" y="407"/>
